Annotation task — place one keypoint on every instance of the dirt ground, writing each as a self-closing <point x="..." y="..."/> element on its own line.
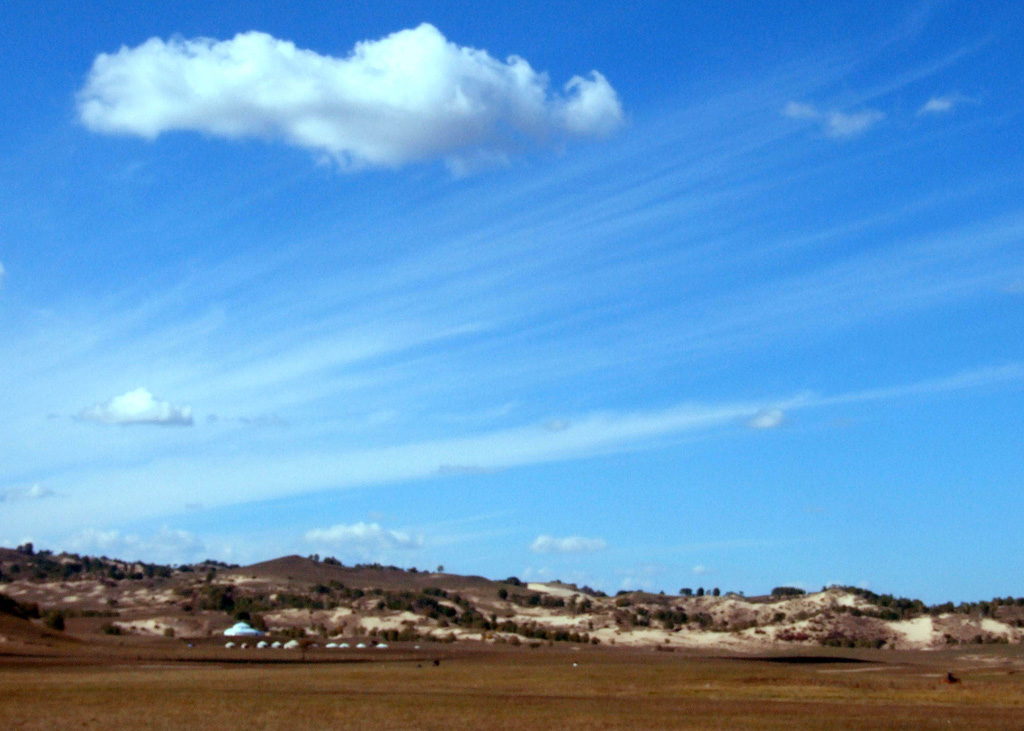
<point x="172" y="687"/>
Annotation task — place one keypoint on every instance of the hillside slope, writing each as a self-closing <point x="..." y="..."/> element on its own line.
<point x="304" y="597"/>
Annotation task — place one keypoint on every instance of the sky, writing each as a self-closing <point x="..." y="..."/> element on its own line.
<point x="631" y="295"/>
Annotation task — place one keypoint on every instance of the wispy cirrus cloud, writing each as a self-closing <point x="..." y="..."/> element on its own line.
<point x="569" y="544"/>
<point x="767" y="419"/>
<point x="408" y="97"/>
<point x="851" y="124"/>
<point x="800" y="110"/>
<point x="138" y="407"/>
<point x="942" y="104"/>
<point x="836" y="124"/>
<point x="30" y="492"/>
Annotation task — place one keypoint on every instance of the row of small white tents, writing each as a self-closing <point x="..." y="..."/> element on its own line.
<point x="294" y="645"/>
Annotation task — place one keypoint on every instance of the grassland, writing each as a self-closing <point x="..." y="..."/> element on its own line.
<point x="509" y="689"/>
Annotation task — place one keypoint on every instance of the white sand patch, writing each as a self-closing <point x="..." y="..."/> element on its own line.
<point x="995" y="627"/>
<point x="144" y="626"/>
<point x="553" y="590"/>
<point x="396" y="622"/>
<point x="919" y="632"/>
<point x="849" y="600"/>
<point x="329" y="618"/>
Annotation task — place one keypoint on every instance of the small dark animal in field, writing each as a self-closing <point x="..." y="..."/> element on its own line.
<point x="951" y="679"/>
<point x="437" y="663"/>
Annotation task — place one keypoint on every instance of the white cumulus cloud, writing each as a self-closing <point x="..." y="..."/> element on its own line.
<point x="571" y="544"/>
<point x="767" y="419"/>
<point x="364" y="536"/>
<point x="408" y="97"/>
<point x="138" y="407"/>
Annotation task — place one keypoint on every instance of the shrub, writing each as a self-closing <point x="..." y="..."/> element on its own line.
<point x="54" y="619"/>
<point x="18" y="609"/>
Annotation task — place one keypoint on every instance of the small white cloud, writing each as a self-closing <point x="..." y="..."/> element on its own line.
<point x="835" y="124"/>
<point x="701" y="570"/>
<point x="408" y="97"/>
<point x="841" y="124"/>
<point x="32" y="492"/>
<point x="365" y="537"/>
<point x="800" y="110"/>
<point x="138" y="407"/>
<point x="557" y="425"/>
<point x="590" y="107"/>
<point x="944" y="104"/>
<point x="571" y="544"/>
<point x="767" y="419"/>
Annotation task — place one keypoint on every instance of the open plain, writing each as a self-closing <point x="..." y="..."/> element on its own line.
<point x="171" y="687"/>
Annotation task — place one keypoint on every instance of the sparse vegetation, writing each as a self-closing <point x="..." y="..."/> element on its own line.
<point x="301" y="597"/>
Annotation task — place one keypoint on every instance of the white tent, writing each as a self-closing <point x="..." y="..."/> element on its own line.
<point x="291" y="645"/>
<point x="343" y="646"/>
<point x="276" y="646"/>
<point x="331" y="645"/>
<point x="382" y="646"/>
<point x="242" y="629"/>
<point x="229" y="645"/>
<point x="360" y="646"/>
<point x="262" y="644"/>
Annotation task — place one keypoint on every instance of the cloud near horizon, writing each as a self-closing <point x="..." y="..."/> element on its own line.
<point x="165" y="545"/>
<point x="138" y="407"/>
<point x="571" y="544"/>
<point x="409" y="97"/>
<point x="364" y="536"/>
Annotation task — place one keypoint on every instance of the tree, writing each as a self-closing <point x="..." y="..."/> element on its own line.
<point x="700" y="591"/>
<point x="686" y="591"/>
<point x="716" y="592"/>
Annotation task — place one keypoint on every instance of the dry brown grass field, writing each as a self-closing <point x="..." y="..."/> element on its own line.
<point x="505" y="688"/>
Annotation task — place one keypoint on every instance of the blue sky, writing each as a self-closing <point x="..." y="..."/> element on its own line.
<point x="636" y="297"/>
